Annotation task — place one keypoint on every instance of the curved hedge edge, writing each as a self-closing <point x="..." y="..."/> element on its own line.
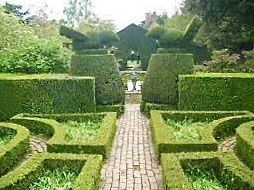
<point x="236" y="173"/>
<point x="100" y="145"/>
<point x="245" y="143"/>
<point x="225" y="127"/>
<point x="231" y="170"/>
<point x="49" y="127"/>
<point x="12" y="152"/>
<point x="24" y="175"/>
<point x="89" y="176"/>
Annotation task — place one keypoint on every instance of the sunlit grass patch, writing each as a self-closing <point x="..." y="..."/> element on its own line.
<point x="203" y="179"/>
<point x="57" y="179"/>
<point x="84" y="130"/>
<point x="185" y="129"/>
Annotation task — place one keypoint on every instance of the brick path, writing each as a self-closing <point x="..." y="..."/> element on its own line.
<point x="132" y="164"/>
<point x="38" y="144"/>
<point x="228" y="145"/>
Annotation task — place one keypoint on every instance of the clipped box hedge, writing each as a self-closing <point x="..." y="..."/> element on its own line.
<point x="108" y="84"/>
<point x="223" y="125"/>
<point x="213" y="91"/>
<point x="45" y="94"/>
<point x="47" y="124"/>
<point x="27" y="173"/>
<point x="160" y="81"/>
<point x="227" y="167"/>
<point x="245" y="143"/>
<point x="12" y="152"/>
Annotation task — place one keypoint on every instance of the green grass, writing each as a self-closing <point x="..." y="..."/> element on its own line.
<point x="82" y="131"/>
<point x="55" y="179"/>
<point x="203" y="180"/>
<point x="6" y="136"/>
<point x="185" y="129"/>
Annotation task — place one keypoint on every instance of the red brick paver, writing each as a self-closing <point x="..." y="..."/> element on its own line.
<point x="132" y="163"/>
<point x="227" y="145"/>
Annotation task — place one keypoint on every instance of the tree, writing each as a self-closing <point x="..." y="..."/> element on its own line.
<point x="15" y="10"/>
<point x="227" y="23"/>
<point x="77" y="11"/>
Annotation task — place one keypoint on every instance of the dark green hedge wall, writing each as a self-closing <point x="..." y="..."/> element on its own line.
<point x="160" y="82"/>
<point x="216" y="92"/>
<point x="45" y="94"/>
<point x="108" y="84"/>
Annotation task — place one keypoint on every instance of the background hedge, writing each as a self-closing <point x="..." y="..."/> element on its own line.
<point x="160" y="82"/>
<point x="108" y="84"/>
<point x="222" y="91"/>
<point x="45" y="94"/>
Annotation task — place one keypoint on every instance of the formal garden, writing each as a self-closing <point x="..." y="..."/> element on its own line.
<point x="66" y="93"/>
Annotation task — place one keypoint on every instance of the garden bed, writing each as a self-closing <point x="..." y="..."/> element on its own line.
<point x="213" y="127"/>
<point x="205" y="171"/>
<point x="69" y="134"/>
<point x="55" y="171"/>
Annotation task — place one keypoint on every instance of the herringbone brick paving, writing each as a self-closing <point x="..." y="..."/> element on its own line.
<point x="132" y="164"/>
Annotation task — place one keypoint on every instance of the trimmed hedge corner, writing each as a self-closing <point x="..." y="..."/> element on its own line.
<point x="45" y="94"/>
<point x="160" y="81"/>
<point x="108" y="84"/>
<point x="12" y="152"/>
<point x="224" y="124"/>
<point x="47" y="124"/>
<point x="217" y="91"/>
<point x="226" y="166"/>
<point x="24" y="175"/>
<point x="245" y="143"/>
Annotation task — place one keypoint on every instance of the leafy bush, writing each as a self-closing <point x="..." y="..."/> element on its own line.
<point x="22" y="51"/>
<point x="225" y="62"/>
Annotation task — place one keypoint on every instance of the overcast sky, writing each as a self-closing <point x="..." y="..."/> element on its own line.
<point x="121" y="12"/>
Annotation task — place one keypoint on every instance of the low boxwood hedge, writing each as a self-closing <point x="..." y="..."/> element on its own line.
<point x="146" y="107"/>
<point x="12" y="152"/>
<point x="245" y="143"/>
<point x="227" y="167"/>
<point x="215" y="129"/>
<point x="25" y="174"/>
<point x="101" y="144"/>
<point x="216" y="91"/>
<point x="46" y="93"/>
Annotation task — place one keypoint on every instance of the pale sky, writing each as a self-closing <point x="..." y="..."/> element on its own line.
<point x="121" y="12"/>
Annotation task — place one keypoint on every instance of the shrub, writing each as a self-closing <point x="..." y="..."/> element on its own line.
<point x="216" y="92"/>
<point x="25" y="174"/>
<point x="45" y="94"/>
<point x="226" y="167"/>
<point x="108" y="85"/>
<point x="48" y="124"/>
<point x="12" y="152"/>
<point x="245" y="144"/>
<point x="160" y="82"/>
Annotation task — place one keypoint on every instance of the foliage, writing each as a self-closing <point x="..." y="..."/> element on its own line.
<point x="80" y="131"/>
<point x="58" y="178"/>
<point x="6" y="136"/>
<point x="15" y="10"/>
<point x="108" y="84"/>
<point x="22" y="51"/>
<point x="185" y="129"/>
<point x="227" y="24"/>
<point x="76" y="11"/>
<point x="160" y="82"/>
<point x="45" y="94"/>
<point x="226" y="62"/>
<point x="216" y="91"/>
